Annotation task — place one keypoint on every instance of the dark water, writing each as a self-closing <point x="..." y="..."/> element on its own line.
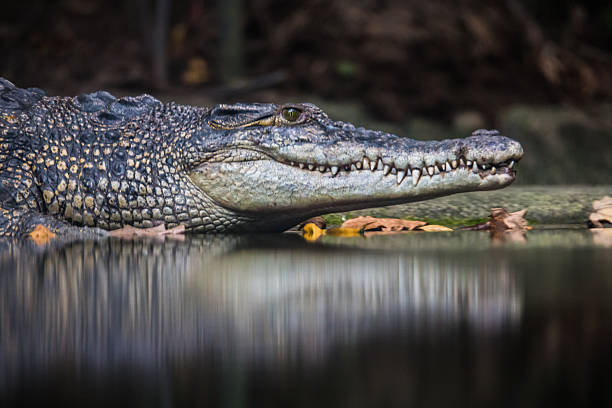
<point x="421" y="319"/>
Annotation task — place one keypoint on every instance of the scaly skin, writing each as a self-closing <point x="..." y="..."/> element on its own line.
<point x="80" y="166"/>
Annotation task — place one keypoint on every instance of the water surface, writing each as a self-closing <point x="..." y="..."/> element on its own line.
<point x="422" y="319"/>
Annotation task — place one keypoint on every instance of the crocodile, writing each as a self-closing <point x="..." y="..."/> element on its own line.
<point x="94" y="163"/>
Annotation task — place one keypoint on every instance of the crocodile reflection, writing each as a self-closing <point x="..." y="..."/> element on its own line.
<point x="113" y="302"/>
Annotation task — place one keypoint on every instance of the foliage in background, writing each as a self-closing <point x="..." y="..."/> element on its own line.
<point x="400" y="57"/>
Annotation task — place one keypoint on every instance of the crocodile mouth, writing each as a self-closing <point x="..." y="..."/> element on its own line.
<point x="261" y="183"/>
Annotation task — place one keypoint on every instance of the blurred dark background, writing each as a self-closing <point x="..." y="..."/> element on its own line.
<point x="541" y="71"/>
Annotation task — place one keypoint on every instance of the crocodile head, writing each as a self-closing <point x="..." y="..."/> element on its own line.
<point x="273" y="166"/>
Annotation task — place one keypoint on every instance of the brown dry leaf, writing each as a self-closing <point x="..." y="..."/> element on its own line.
<point x="505" y="220"/>
<point x="502" y="220"/>
<point x="382" y="224"/>
<point x="158" y="231"/>
<point x="602" y="212"/>
<point x="434" y="228"/>
<point x="41" y="235"/>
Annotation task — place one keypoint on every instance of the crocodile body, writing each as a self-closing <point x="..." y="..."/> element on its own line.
<point x="87" y="164"/>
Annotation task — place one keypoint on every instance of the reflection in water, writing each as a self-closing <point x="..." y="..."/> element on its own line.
<point x="117" y="302"/>
<point x="281" y="302"/>
<point x="602" y="237"/>
<point x="429" y="319"/>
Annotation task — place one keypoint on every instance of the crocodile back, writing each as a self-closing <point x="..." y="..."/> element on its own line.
<point x="97" y="160"/>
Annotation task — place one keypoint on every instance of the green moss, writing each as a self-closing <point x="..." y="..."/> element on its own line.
<point x="338" y="219"/>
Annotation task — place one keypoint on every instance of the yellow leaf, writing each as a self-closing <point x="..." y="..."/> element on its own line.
<point x="311" y="232"/>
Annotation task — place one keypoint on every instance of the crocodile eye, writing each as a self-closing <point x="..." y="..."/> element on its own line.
<point x="291" y="114"/>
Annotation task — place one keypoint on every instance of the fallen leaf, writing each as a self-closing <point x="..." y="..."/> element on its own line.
<point x="434" y="228"/>
<point x="501" y="220"/>
<point x="382" y="224"/>
<point x="602" y="212"/>
<point x="368" y="226"/>
<point x="158" y="231"/>
<point x="41" y="235"/>
<point x="511" y="221"/>
<point x="311" y="232"/>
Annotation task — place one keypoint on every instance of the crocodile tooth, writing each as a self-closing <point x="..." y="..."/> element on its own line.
<point x="438" y="169"/>
<point x="493" y="170"/>
<point x="301" y="165"/>
<point x="511" y="165"/>
<point x="430" y="170"/>
<point x="393" y="171"/>
<point x="310" y="166"/>
<point x="373" y="165"/>
<point x="468" y="163"/>
<point x="322" y="169"/>
<point x="483" y="166"/>
<point x="400" y="176"/>
<point x="386" y="169"/>
<point x="447" y="166"/>
<point x="475" y="167"/>
<point x="334" y="170"/>
<point x="293" y="163"/>
<point x="366" y="162"/>
<point x="353" y="167"/>
<point x="416" y="175"/>
<point x="461" y="162"/>
<point x="358" y="165"/>
<point x="454" y="164"/>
